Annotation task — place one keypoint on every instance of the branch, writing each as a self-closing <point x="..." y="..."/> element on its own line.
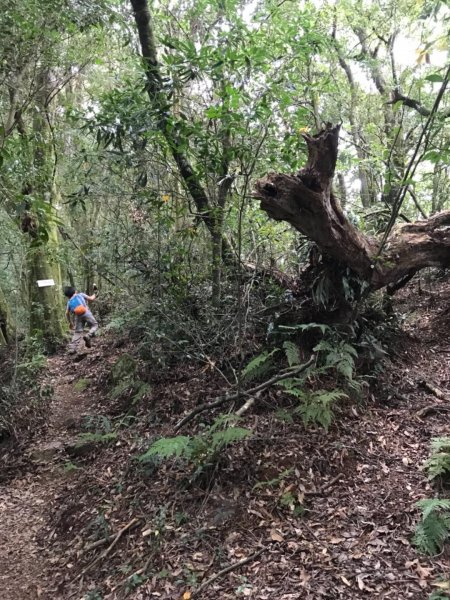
<point x="397" y="96"/>
<point x="108" y="549"/>
<point x="159" y="100"/>
<point x="251" y="392"/>
<point x="232" y="567"/>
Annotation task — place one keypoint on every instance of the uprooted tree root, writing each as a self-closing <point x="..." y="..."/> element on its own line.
<point x="307" y="202"/>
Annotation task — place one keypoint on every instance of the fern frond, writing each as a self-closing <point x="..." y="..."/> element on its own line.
<point x="290" y="383"/>
<point x="292" y="353"/>
<point x="440" y="444"/>
<point x="439" y="595"/>
<point x="438" y="464"/>
<point x="222" y="421"/>
<point x="305" y="327"/>
<point x="258" y="365"/>
<point x="433" y="530"/>
<point x="429" y="505"/>
<point x="317" y="407"/>
<point x="227" y="436"/>
<point x="167" y="447"/>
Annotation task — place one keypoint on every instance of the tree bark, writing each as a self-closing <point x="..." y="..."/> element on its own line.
<point x="6" y="328"/>
<point x="46" y="309"/>
<point x="306" y="201"/>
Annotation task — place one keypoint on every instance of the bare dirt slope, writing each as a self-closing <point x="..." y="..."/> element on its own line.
<point x="318" y="514"/>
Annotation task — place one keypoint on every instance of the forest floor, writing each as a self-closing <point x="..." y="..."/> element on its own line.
<point x="318" y="514"/>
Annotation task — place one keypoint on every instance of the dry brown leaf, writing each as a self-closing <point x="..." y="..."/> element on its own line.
<point x="276" y="536"/>
<point x="346" y="581"/>
<point x="423" y="572"/>
<point x="187" y="596"/>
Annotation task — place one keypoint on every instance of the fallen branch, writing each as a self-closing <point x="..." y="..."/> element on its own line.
<point x="432" y="389"/>
<point x="108" y="550"/>
<point x="423" y="412"/>
<point x="244" y="408"/>
<point x="103" y="541"/>
<point x="240" y="393"/>
<point x="232" y="567"/>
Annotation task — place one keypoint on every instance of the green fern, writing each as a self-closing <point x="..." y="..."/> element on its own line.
<point x="258" y="365"/>
<point x="440" y="444"/>
<point x="179" y="446"/>
<point x="292" y="353"/>
<point x="317" y="406"/>
<point x="305" y="327"/>
<point x="227" y="436"/>
<point x="439" y="462"/>
<point x="434" y="528"/>
<point x="199" y="449"/>
<point x="439" y="595"/>
<point x="291" y="384"/>
<point x="340" y="356"/>
<point x="443" y="593"/>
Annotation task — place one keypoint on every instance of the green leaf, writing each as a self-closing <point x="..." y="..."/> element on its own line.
<point x="434" y="78"/>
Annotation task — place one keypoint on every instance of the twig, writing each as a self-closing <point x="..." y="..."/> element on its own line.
<point x="108" y="549"/>
<point x="251" y="392"/>
<point x="232" y="567"/>
<point x="325" y="487"/>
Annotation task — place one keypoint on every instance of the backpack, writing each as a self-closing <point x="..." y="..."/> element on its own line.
<point x="77" y="305"/>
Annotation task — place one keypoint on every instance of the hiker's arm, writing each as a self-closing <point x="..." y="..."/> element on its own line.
<point x="89" y="298"/>
<point x="69" y="320"/>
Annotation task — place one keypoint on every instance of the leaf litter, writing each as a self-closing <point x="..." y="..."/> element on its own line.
<point x="325" y="515"/>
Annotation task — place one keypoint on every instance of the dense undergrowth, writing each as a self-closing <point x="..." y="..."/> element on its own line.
<point x="24" y="396"/>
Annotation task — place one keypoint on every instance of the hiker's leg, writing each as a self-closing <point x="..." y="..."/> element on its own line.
<point x="92" y="322"/>
<point x="77" y="334"/>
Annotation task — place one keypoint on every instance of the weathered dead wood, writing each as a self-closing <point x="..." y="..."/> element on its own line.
<point x="426" y="385"/>
<point x="306" y="201"/>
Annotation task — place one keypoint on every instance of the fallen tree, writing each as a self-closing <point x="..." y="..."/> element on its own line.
<point x="307" y="202"/>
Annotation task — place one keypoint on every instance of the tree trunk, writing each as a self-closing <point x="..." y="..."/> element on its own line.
<point x="46" y="322"/>
<point x="6" y="328"/>
<point x="306" y="201"/>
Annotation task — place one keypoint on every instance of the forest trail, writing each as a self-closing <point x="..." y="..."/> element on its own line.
<point x="353" y="540"/>
<point x="24" y="501"/>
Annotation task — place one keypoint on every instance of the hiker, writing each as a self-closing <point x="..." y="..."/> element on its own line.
<point x="78" y="307"/>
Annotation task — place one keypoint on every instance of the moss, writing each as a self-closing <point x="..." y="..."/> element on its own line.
<point x="81" y="385"/>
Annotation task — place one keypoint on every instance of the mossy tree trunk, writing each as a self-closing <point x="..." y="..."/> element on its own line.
<point x="45" y="303"/>
<point x="6" y="326"/>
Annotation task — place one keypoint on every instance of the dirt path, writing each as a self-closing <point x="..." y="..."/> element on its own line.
<point x="24" y="501"/>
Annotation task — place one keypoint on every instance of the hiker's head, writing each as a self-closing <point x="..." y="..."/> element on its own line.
<point x="69" y="291"/>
